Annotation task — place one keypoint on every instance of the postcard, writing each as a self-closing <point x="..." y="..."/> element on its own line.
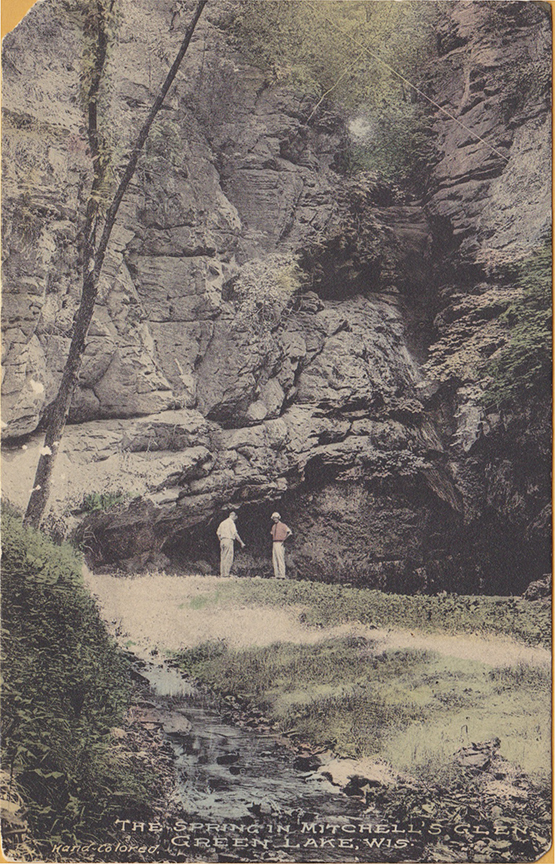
<point x="277" y="432"/>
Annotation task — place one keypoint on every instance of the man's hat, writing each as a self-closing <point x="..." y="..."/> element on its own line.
<point x="275" y="516"/>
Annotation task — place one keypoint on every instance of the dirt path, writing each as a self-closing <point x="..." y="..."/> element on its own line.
<point x="168" y="613"/>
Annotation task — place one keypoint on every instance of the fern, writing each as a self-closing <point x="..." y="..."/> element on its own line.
<point x="522" y="367"/>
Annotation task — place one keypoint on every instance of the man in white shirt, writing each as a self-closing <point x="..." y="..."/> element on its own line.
<point x="227" y="534"/>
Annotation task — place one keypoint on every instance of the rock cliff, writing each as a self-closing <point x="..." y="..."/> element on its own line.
<point x="490" y="207"/>
<point x="263" y="318"/>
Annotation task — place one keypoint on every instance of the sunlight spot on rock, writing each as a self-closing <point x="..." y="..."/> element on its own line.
<point x="362" y="129"/>
<point x="36" y="386"/>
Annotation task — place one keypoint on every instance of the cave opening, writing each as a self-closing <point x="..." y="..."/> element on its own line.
<point x="197" y="549"/>
<point x="340" y="534"/>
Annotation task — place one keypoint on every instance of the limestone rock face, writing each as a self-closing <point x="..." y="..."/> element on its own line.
<point x="255" y="342"/>
<point x="492" y="197"/>
<point x="489" y="202"/>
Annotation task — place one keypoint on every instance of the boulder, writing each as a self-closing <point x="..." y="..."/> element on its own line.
<point x="540" y="589"/>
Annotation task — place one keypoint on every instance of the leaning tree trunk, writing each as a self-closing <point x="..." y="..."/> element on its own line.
<point x="92" y="266"/>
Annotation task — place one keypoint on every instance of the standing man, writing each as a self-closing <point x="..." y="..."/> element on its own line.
<point x="227" y="534"/>
<point x="280" y="532"/>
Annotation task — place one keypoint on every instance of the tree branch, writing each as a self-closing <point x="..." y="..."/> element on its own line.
<point x="93" y="260"/>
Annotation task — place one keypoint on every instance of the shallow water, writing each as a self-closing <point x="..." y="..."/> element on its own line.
<point x="240" y="787"/>
<point x="223" y="770"/>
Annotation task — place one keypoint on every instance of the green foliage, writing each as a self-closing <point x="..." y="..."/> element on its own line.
<point x="351" y="52"/>
<point x="65" y="687"/>
<point x="264" y="289"/>
<point x="315" y="44"/>
<point x="395" y="144"/>
<point x="521" y="369"/>
<point x="95" y="501"/>
<point x="328" y="605"/>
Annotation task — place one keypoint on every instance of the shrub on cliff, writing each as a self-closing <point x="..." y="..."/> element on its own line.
<point x="521" y="369"/>
<point x="65" y="687"/>
<point x="264" y="290"/>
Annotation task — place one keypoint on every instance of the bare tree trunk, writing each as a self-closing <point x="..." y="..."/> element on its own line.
<point x="93" y="260"/>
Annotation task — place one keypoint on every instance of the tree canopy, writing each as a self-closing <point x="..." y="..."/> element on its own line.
<point x="315" y="43"/>
<point x="363" y="55"/>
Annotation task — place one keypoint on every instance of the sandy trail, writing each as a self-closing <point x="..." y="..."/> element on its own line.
<point x="169" y="613"/>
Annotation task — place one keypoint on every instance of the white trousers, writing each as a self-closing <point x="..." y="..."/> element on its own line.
<point x="226" y="556"/>
<point x="278" y="560"/>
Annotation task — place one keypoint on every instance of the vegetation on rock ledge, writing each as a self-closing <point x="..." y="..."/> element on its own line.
<point x="521" y="369"/>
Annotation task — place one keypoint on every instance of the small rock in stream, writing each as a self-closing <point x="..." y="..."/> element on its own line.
<point x="307" y="762"/>
<point x="228" y="758"/>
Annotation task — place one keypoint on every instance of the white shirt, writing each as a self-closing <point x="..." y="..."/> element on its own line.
<point x="227" y="530"/>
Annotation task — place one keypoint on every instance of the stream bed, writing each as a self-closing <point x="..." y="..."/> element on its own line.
<point x="240" y="797"/>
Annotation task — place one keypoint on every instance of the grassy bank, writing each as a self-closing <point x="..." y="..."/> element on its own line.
<point x="413" y="708"/>
<point x="65" y="687"/>
<point x="328" y="605"/>
<point x="422" y="710"/>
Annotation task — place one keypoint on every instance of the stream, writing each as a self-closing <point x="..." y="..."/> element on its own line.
<point x="240" y="797"/>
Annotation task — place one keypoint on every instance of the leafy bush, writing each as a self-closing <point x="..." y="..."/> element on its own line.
<point x="65" y="687"/>
<point x="396" y="143"/>
<point x="264" y="289"/>
<point x="94" y="501"/>
<point x="522" y="367"/>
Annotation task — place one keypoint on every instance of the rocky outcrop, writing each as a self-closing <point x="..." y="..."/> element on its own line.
<point x="353" y="418"/>
<point x="256" y="334"/>
<point x="490" y="191"/>
<point x="230" y="173"/>
<point x="489" y="202"/>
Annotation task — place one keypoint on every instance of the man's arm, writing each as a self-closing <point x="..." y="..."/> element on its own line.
<point x="239" y="539"/>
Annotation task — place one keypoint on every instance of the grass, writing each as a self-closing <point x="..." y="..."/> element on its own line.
<point x="328" y="605"/>
<point x="412" y="708"/>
